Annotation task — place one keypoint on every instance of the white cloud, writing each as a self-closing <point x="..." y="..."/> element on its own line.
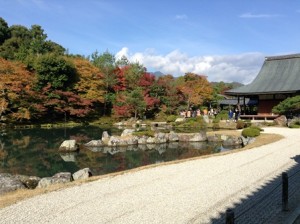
<point x="249" y="15"/>
<point x="228" y="68"/>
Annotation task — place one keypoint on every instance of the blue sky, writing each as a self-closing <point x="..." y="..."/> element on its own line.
<point x="226" y="40"/>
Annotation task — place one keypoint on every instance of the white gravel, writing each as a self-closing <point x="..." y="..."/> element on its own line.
<point x="188" y="192"/>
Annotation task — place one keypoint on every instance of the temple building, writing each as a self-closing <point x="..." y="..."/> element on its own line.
<point x="278" y="79"/>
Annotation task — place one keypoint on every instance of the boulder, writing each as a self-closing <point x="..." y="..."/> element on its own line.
<point x="281" y="121"/>
<point x="214" y="138"/>
<point x="247" y="140"/>
<point x="9" y="183"/>
<point x="180" y="119"/>
<point x="142" y="140"/>
<point x="160" y="137"/>
<point x="232" y="140"/>
<point x="82" y="174"/>
<point x="32" y="183"/>
<point x="94" y="143"/>
<point x="173" y="137"/>
<point x="184" y="137"/>
<point x="150" y="140"/>
<point x="69" y="145"/>
<point x="132" y="140"/>
<point x="105" y="137"/>
<point x="192" y="137"/>
<point x="127" y="132"/>
<point x="113" y="141"/>
<point x="63" y="177"/>
<point x="29" y="182"/>
<point x="199" y="137"/>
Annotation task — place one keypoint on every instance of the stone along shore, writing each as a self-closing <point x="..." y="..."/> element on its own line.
<point x="195" y="191"/>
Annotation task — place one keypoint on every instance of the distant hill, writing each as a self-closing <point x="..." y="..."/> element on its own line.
<point x="232" y="85"/>
<point x="157" y="74"/>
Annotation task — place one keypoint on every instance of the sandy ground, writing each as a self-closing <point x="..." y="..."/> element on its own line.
<point x="193" y="191"/>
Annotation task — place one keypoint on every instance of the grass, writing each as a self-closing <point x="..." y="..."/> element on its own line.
<point x="19" y="195"/>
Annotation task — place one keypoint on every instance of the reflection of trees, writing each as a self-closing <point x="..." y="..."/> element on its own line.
<point x="35" y="152"/>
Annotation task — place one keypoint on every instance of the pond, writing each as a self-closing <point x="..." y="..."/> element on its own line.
<point x="34" y="152"/>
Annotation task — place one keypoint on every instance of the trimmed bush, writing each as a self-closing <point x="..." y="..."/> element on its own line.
<point x="256" y="127"/>
<point x="171" y="118"/>
<point x="250" y="132"/>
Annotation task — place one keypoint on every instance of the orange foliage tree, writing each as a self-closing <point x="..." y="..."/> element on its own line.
<point x="16" y="95"/>
<point x="90" y="85"/>
<point x="196" y="89"/>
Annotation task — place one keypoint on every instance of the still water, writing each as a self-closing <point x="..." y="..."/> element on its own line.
<point x="35" y="152"/>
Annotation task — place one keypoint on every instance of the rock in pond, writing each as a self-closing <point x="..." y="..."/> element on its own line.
<point x="69" y="145"/>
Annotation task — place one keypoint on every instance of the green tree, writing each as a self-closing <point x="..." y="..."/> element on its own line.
<point x="135" y="100"/>
<point x="290" y="105"/>
<point x="106" y="62"/>
<point x="56" y="71"/>
<point x="4" y="30"/>
<point x="133" y="74"/>
<point x="167" y="91"/>
<point x="122" y="62"/>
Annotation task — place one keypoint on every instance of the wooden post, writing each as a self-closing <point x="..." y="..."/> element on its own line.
<point x="229" y="216"/>
<point x="285" y="191"/>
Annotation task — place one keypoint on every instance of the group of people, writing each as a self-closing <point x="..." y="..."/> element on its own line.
<point x="234" y="114"/>
<point x="190" y="113"/>
<point x="198" y="112"/>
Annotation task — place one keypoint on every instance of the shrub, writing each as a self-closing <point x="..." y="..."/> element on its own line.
<point x="294" y="126"/>
<point x="256" y="127"/>
<point x="250" y="132"/>
<point x="171" y="118"/>
<point x="195" y="122"/>
<point x="295" y="123"/>
<point x="216" y="120"/>
<point x="223" y="115"/>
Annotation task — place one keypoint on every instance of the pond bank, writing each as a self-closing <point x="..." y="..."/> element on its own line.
<point x="198" y="189"/>
<point x="13" y="197"/>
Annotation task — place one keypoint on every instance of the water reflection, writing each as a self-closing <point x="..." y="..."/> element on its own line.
<point x="35" y="152"/>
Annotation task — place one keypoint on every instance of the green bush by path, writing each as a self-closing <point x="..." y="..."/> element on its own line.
<point x="250" y="132"/>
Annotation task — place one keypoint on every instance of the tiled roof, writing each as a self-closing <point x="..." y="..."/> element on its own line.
<point x="279" y="74"/>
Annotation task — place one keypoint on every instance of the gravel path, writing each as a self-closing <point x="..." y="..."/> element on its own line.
<point x="196" y="191"/>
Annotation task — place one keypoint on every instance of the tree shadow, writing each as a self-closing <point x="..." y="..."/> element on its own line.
<point x="264" y="205"/>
